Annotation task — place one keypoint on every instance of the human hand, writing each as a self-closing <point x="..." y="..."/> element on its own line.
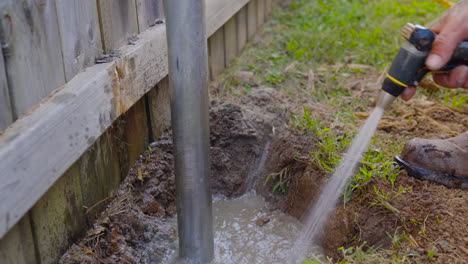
<point x="452" y="28"/>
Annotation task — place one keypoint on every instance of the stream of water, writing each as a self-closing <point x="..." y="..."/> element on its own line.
<point x="319" y="211"/>
<point x="247" y="232"/>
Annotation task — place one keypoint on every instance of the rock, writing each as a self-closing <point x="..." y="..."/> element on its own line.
<point x="262" y="221"/>
<point x="245" y="76"/>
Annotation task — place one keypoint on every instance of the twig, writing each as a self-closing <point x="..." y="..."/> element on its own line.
<point x="311" y="80"/>
<point x="290" y="67"/>
<point x="90" y="252"/>
<point x="96" y="204"/>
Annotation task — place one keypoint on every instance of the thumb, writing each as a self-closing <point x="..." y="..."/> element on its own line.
<point x="444" y="45"/>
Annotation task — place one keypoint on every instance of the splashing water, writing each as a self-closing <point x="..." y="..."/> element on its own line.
<point x="320" y="212"/>
<point x="246" y="232"/>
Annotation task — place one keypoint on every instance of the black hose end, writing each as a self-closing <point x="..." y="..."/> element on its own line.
<point x="392" y="88"/>
<point x="422" y="39"/>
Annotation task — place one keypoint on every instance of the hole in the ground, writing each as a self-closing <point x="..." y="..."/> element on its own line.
<point x="252" y="148"/>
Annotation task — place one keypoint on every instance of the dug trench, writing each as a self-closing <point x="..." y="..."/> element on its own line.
<point x="255" y="145"/>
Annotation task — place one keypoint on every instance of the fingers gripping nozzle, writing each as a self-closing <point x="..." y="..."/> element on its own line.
<point x="408" y="67"/>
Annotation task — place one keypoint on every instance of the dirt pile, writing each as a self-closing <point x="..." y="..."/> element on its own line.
<point x="423" y="118"/>
<point x="138" y="226"/>
<point x="428" y="218"/>
<point x="253" y="145"/>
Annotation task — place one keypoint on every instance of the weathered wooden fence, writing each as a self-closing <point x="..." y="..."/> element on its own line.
<point x="70" y="128"/>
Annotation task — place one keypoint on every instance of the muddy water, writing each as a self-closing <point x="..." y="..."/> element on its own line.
<point x="247" y="232"/>
<point x="319" y="212"/>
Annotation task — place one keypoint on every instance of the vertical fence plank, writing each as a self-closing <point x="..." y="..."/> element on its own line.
<point x="118" y="22"/>
<point x="100" y="171"/>
<point x="80" y="34"/>
<point x="160" y="108"/>
<point x="230" y="40"/>
<point x="58" y="217"/>
<point x="268" y="7"/>
<point x="241" y="20"/>
<point x="148" y="12"/>
<point x="260" y="12"/>
<point x="6" y="116"/>
<point x="135" y="133"/>
<point x="216" y="53"/>
<point x="17" y="246"/>
<point x="251" y="19"/>
<point x="34" y="66"/>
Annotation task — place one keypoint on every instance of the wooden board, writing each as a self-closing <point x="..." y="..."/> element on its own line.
<point x="220" y="11"/>
<point x="148" y="12"/>
<point x="6" y="115"/>
<point x="135" y="134"/>
<point x="241" y="20"/>
<point x="268" y="7"/>
<point x="79" y="33"/>
<point x="39" y="147"/>
<point x="230" y="40"/>
<point x="17" y="246"/>
<point x="216" y="59"/>
<point x="61" y="129"/>
<point x="251" y="19"/>
<point x="99" y="170"/>
<point x="118" y="22"/>
<point x="35" y="66"/>
<point x="58" y="217"/>
<point x="159" y="108"/>
<point x="260" y="12"/>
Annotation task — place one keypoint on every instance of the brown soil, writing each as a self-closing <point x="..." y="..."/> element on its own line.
<point x="135" y="226"/>
<point x="423" y="118"/>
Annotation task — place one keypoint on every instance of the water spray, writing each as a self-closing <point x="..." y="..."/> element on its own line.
<point x="408" y="69"/>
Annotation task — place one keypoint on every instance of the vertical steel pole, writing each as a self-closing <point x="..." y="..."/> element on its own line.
<point x="188" y="75"/>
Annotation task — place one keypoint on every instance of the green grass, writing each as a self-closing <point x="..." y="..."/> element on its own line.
<point x="280" y="180"/>
<point x="318" y="35"/>
<point x="321" y="33"/>
<point x="327" y="32"/>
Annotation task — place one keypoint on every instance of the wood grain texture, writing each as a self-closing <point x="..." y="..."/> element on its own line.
<point x="251" y="19"/>
<point x="260" y="12"/>
<point x="58" y="217"/>
<point x="79" y="33"/>
<point x="118" y="20"/>
<point x="216" y="53"/>
<point x="160" y="108"/>
<point x="220" y="11"/>
<point x="71" y="121"/>
<point x="99" y="170"/>
<point x="6" y="115"/>
<point x="17" y="246"/>
<point x="268" y="8"/>
<point x="230" y="40"/>
<point x="241" y="21"/>
<point x="148" y="12"/>
<point x="34" y="66"/>
<point x="135" y="134"/>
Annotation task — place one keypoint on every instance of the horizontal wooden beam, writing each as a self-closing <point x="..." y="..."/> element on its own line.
<point x="39" y="147"/>
<point x="220" y="11"/>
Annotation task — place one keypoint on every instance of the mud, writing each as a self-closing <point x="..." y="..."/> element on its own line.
<point x="142" y="213"/>
<point x="251" y="138"/>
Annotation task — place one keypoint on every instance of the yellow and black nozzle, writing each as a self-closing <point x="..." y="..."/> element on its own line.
<point x="408" y="67"/>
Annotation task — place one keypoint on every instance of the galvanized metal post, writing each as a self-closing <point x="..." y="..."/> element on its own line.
<point x="188" y="75"/>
